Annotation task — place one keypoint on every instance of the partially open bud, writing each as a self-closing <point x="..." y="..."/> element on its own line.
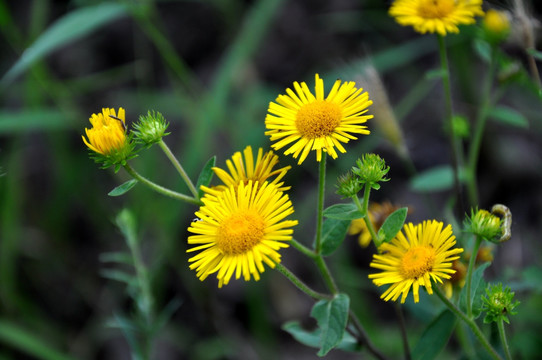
<point x="498" y="304"/>
<point x="484" y="224"/>
<point x="496" y="25"/>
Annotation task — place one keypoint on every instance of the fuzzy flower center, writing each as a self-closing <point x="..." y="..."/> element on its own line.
<point x="417" y="261"/>
<point x="240" y="232"/>
<point x="435" y="9"/>
<point x="317" y="119"/>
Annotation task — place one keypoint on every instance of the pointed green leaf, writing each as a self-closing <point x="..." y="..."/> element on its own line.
<point x="118" y="276"/>
<point x="312" y="338"/>
<point x="535" y="53"/>
<point x="435" y="337"/>
<point x="117" y="257"/>
<point x="206" y="175"/>
<point x="343" y="212"/>
<point x="124" y="188"/>
<point x="27" y="120"/>
<point x="439" y="178"/>
<point x="333" y="234"/>
<point x="509" y="116"/>
<point x="332" y="317"/>
<point x="392" y="225"/>
<point x="67" y="29"/>
<point x="435" y="74"/>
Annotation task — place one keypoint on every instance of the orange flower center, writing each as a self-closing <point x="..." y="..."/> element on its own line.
<point x="435" y="9"/>
<point x="318" y="118"/>
<point x="417" y="261"/>
<point x="240" y="233"/>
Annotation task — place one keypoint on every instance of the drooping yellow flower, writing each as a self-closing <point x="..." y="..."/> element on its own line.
<point x="239" y="230"/>
<point x="108" y="133"/>
<point x="436" y="16"/>
<point x="425" y="254"/>
<point x="244" y="171"/>
<point x="307" y="121"/>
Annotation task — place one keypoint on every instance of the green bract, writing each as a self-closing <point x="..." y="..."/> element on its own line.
<point x="484" y="224"/>
<point x="151" y="128"/>
<point x="498" y="304"/>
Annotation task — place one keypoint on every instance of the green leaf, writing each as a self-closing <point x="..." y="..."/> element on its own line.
<point x="12" y="336"/>
<point x="508" y="116"/>
<point x="67" y="29"/>
<point x="435" y="337"/>
<point x="435" y="74"/>
<point x="332" y="317"/>
<point x="392" y="225"/>
<point x="124" y="188"/>
<point x="312" y="338"/>
<point x="535" y="53"/>
<point x="206" y="175"/>
<point x="483" y="48"/>
<point x="117" y="257"/>
<point x="439" y="178"/>
<point x="477" y="290"/>
<point x="343" y="212"/>
<point x="119" y="276"/>
<point x="333" y="234"/>
<point x="28" y="120"/>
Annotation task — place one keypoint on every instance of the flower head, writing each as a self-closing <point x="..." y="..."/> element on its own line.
<point x="243" y="171"/>
<point x="151" y="128"/>
<point x="107" y="138"/>
<point x="498" y="303"/>
<point x="484" y="224"/>
<point x="239" y="230"/>
<point x="496" y="25"/>
<point x="371" y="170"/>
<point x="421" y="255"/>
<point x="307" y="121"/>
<point x="440" y="16"/>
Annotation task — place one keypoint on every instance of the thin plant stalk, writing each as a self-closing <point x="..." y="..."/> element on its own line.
<point x="320" y="205"/>
<point x="160" y="189"/>
<point x="303" y="249"/>
<point x="504" y="341"/>
<point x="470" y="270"/>
<point x="178" y="167"/>
<point x="364" y="209"/>
<point x="300" y="284"/>
<point x="481" y="119"/>
<point x="454" y="143"/>
<point x="470" y="323"/>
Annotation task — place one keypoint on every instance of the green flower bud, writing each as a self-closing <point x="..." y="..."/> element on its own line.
<point x="371" y="170"/>
<point x="496" y="25"/>
<point x="151" y="128"/>
<point x="498" y="304"/>
<point x="348" y="185"/>
<point x="484" y="224"/>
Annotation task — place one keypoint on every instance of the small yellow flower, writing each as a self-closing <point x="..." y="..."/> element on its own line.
<point x="496" y="22"/>
<point x="108" y="133"/>
<point x="422" y="255"/>
<point x="436" y="16"/>
<point x="305" y="121"/>
<point x="244" y="171"/>
<point x="239" y="230"/>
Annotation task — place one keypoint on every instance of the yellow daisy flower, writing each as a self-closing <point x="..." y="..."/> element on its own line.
<point x="440" y="16"/>
<point x="425" y="254"/>
<point x="108" y="132"/>
<point x="312" y="122"/>
<point x="240" y="230"/>
<point x="244" y="171"/>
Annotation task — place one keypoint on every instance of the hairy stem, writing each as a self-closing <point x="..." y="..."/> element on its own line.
<point x="178" y="167"/>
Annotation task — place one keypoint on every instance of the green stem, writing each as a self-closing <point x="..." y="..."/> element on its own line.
<point x="326" y="274"/>
<point x="481" y="119"/>
<point x="300" y="284"/>
<point x="179" y="168"/>
<point x="364" y="209"/>
<point x="160" y="189"/>
<point x="470" y="270"/>
<point x="364" y="337"/>
<point x="404" y="333"/>
<point x="504" y="342"/>
<point x="303" y="249"/>
<point x="320" y="206"/>
<point x="454" y="144"/>
<point x="470" y="323"/>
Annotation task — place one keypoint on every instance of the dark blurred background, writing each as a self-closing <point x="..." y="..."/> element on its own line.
<point x="211" y="67"/>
